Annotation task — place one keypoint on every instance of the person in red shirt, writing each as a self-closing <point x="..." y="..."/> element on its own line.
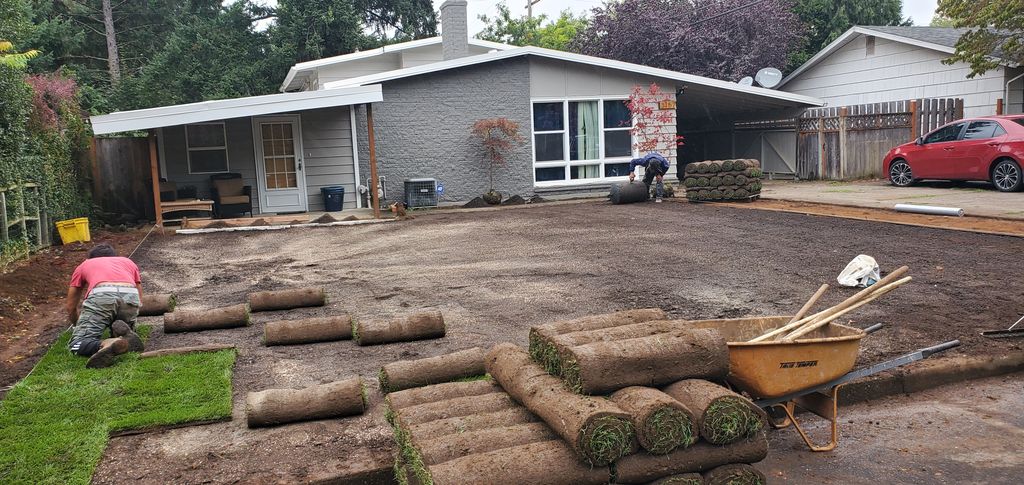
<point x="112" y="291"/>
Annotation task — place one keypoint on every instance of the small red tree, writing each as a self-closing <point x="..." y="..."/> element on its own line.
<point x="497" y="136"/>
<point x="649" y="120"/>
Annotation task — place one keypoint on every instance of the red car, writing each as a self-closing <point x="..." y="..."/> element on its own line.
<point x="989" y="148"/>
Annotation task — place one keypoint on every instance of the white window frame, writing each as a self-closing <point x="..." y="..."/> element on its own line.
<point x="566" y="162"/>
<point x="189" y="149"/>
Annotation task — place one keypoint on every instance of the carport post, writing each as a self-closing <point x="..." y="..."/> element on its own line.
<point x="155" y="174"/>
<point x="374" y="195"/>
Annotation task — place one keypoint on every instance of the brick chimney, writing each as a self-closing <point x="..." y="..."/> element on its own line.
<point x="454" y="29"/>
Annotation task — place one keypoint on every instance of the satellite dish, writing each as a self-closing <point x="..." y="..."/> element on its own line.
<point x="747" y="81"/>
<point x="768" y="77"/>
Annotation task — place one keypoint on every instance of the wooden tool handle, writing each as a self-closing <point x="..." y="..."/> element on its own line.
<point x="810" y="327"/>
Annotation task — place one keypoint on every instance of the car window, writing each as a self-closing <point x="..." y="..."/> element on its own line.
<point x="1019" y="121"/>
<point x="979" y="130"/>
<point x="946" y="133"/>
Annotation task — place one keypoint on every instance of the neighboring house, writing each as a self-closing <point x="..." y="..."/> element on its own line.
<point x="570" y="109"/>
<point x="879" y="64"/>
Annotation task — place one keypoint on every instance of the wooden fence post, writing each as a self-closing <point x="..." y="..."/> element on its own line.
<point x="821" y="146"/>
<point x="155" y="173"/>
<point x="842" y="142"/>
<point x="959" y="103"/>
<point x="915" y="123"/>
<point x="999" y="106"/>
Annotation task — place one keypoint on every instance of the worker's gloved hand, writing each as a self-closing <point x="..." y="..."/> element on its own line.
<point x="631" y="177"/>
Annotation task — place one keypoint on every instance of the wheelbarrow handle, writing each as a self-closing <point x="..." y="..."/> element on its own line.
<point x="874" y="328"/>
<point x="939" y="348"/>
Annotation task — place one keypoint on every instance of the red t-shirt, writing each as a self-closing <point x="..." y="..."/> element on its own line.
<point x="110" y="269"/>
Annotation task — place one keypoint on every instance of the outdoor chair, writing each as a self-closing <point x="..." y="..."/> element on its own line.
<point x="230" y="194"/>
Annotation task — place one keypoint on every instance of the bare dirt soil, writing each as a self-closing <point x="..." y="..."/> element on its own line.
<point x="32" y="295"/>
<point x="495" y="273"/>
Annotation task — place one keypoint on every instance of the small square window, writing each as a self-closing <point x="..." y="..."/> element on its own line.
<point x="547" y="117"/>
<point x="549" y="147"/>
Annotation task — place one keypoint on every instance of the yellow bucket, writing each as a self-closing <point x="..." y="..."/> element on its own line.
<point x="74" y="230"/>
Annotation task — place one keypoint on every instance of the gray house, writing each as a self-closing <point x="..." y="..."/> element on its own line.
<point x="425" y="96"/>
<point x="880" y="64"/>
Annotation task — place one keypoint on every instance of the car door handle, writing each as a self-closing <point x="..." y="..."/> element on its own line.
<point x="948" y="149"/>
<point x="994" y="144"/>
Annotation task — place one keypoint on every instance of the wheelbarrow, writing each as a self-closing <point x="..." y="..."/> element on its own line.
<point x="805" y="373"/>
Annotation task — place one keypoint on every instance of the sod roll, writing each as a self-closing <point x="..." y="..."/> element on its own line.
<point x="560" y="345"/>
<point x="656" y="360"/>
<point x="724" y="416"/>
<point x="155" y="304"/>
<point x="407" y="374"/>
<point x="331" y="400"/>
<point x="543" y="351"/>
<point x="216" y="318"/>
<point x="308" y="330"/>
<point x="549" y="462"/>
<point x="662" y="423"/>
<point x="645" y="467"/>
<point x="418" y="326"/>
<point x="735" y="474"/>
<point x="434" y="450"/>
<point x="595" y="428"/>
<point x="439" y="392"/>
<point x="628" y="192"/>
<point x="263" y="301"/>
<point x="451" y="408"/>
<point x="680" y="479"/>
<point x="474" y="422"/>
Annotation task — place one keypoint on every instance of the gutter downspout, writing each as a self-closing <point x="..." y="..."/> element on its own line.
<point x="1006" y="92"/>
<point x="355" y="154"/>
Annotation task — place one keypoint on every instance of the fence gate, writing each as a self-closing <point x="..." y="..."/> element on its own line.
<point x="850" y="142"/>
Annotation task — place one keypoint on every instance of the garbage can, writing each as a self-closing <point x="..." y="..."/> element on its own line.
<point x="334" y="198"/>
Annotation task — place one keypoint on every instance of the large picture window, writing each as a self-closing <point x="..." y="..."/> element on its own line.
<point x="576" y="140"/>
<point x="207" y="145"/>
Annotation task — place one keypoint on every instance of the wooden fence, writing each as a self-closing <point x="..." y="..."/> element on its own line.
<point x="121" y="176"/>
<point x="850" y="142"/>
<point x="23" y="216"/>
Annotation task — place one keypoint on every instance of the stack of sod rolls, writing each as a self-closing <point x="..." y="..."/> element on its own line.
<point x="723" y="180"/>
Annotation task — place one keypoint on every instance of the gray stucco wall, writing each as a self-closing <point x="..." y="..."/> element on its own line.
<point x="423" y="128"/>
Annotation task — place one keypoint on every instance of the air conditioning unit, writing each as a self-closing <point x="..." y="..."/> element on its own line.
<point x="420" y="192"/>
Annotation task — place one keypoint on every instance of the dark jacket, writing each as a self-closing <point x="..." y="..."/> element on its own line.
<point x="646" y="160"/>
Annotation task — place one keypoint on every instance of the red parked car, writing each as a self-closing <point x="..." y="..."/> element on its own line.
<point x="989" y="148"/>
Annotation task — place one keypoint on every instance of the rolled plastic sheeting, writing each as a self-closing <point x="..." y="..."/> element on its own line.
<point x="628" y="193"/>
<point x="930" y="210"/>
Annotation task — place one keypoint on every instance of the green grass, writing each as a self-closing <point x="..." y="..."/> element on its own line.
<point x="607" y="439"/>
<point x="55" y="423"/>
<point x="727" y="420"/>
<point x="667" y="429"/>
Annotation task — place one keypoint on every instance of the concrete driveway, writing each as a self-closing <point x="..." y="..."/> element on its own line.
<point x="975" y="198"/>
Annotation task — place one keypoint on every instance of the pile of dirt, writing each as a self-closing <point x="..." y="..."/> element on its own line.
<point x="476" y="203"/>
<point x="514" y="200"/>
<point x="323" y="219"/>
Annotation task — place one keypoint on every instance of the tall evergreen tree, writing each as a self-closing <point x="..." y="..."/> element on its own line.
<point x="826" y="20"/>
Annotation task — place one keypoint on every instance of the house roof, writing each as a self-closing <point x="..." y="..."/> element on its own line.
<point x="941" y="39"/>
<point x="303" y="67"/>
<point x="144" y="119"/>
<point x="726" y="90"/>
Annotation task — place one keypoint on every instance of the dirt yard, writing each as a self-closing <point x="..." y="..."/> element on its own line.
<point x="494" y="274"/>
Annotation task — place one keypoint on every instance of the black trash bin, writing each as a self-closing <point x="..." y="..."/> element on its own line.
<point x="334" y="198"/>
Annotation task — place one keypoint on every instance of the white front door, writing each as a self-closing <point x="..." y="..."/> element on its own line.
<point x="279" y="164"/>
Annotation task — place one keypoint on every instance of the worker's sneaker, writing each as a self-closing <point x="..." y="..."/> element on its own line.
<point x="108" y="352"/>
<point x="121" y="329"/>
<point x="658" y="200"/>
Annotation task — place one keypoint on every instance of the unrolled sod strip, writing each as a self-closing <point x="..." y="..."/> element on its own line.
<point x="724" y="416"/>
<point x="155" y="304"/>
<point x="331" y="400"/>
<point x="434" y="450"/>
<point x="262" y="301"/>
<point x="735" y="474"/>
<point x="680" y="479"/>
<point x="216" y="318"/>
<point x="548" y="462"/>
<point x="662" y="423"/>
<point x="308" y="330"/>
<point x="542" y="351"/>
<point x="439" y="392"/>
<point x="407" y="374"/>
<point x="647" y="361"/>
<point x="596" y="429"/>
<point x="645" y="467"/>
<point x="418" y="326"/>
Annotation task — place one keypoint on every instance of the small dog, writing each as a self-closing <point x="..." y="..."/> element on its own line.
<point x="398" y="209"/>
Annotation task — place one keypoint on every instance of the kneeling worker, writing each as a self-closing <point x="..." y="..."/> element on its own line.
<point x="112" y="288"/>
<point x="655" y="167"/>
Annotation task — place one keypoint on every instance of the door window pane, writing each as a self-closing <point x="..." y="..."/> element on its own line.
<point x="616" y="169"/>
<point x="617" y="143"/>
<point x="550" y="174"/>
<point x="549" y="147"/>
<point x="584" y="131"/>
<point x="946" y="133"/>
<point x="585" y="172"/>
<point x="979" y="130"/>
<point x="547" y="116"/>
<point x="616" y="115"/>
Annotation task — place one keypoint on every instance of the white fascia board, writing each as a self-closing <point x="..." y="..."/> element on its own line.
<point x="576" y="58"/>
<point x="184" y="114"/>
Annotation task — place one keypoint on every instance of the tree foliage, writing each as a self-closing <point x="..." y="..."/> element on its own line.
<point x="496" y="136"/>
<point x="723" y="39"/>
<point x="536" y="31"/>
<point x="826" y="20"/>
<point x="995" y="35"/>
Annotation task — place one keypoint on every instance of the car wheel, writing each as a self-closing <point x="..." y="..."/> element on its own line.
<point x="1006" y="176"/>
<point x="900" y="174"/>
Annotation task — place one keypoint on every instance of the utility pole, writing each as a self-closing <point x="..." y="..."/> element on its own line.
<point x="529" y="7"/>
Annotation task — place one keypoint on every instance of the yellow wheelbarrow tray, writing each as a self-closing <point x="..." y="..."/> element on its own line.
<point x="805" y="373"/>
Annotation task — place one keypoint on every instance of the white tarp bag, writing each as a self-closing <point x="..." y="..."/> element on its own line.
<point x="862" y="271"/>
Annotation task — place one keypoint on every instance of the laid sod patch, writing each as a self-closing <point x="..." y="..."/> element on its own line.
<point x="55" y="424"/>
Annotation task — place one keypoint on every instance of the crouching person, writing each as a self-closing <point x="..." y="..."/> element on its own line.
<point x="112" y="288"/>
